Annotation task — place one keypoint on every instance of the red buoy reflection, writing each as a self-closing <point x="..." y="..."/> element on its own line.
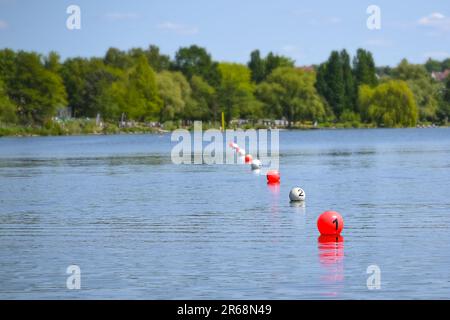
<point x="331" y="249"/>
<point x="274" y="187"/>
<point x="331" y="257"/>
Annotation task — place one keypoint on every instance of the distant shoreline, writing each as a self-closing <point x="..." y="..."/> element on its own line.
<point x="23" y="131"/>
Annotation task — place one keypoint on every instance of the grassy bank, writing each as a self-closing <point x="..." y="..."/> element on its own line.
<point x="88" y="127"/>
<point x="71" y="127"/>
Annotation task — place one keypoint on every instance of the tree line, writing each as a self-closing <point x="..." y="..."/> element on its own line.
<point x="147" y="86"/>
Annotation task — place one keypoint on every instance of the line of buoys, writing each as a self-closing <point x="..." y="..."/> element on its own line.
<point x="329" y="223"/>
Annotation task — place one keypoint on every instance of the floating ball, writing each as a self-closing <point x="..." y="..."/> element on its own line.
<point x="256" y="164"/>
<point x="330" y="223"/>
<point x="273" y="176"/>
<point x="297" y="194"/>
<point x="248" y="158"/>
<point x="240" y="152"/>
<point x="233" y="145"/>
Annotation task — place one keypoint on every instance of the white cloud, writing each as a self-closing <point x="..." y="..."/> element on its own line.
<point x="436" y="54"/>
<point x="435" y="20"/>
<point x="180" y="29"/>
<point x="3" y="24"/>
<point x="116" y="16"/>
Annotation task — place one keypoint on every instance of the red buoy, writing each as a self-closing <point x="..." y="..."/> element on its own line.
<point x="330" y="223"/>
<point x="248" y="158"/>
<point x="273" y="176"/>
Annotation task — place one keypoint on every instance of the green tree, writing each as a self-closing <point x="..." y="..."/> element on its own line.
<point x="8" y="66"/>
<point x="425" y="90"/>
<point x="261" y="68"/>
<point x="389" y="104"/>
<point x="73" y="72"/>
<point x="195" y="60"/>
<point x="143" y="101"/>
<point x="97" y="79"/>
<point x="364" y="68"/>
<point x="235" y="89"/>
<point x="445" y="64"/>
<point x="274" y="61"/>
<point x="202" y="105"/>
<point x="37" y="91"/>
<point x="7" y="108"/>
<point x="157" y="61"/>
<point x="350" y="89"/>
<point x="112" y="100"/>
<point x="257" y="66"/>
<point x="331" y="83"/>
<point x="52" y="62"/>
<point x="175" y="93"/>
<point x="444" y="103"/>
<point x="117" y="58"/>
<point x="291" y="93"/>
<point x="433" y="65"/>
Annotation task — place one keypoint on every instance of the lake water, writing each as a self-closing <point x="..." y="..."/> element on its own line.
<point x="140" y="227"/>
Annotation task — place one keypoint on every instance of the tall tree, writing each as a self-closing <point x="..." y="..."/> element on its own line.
<point x="203" y="105"/>
<point x="8" y="68"/>
<point x="74" y="72"/>
<point x="350" y="90"/>
<point x="195" y="60"/>
<point x="257" y="66"/>
<point x="444" y="103"/>
<point x="157" y="61"/>
<point x="335" y="82"/>
<point x="175" y="93"/>
<point x="37" y="91"/>
<point x="235" y="89"/>
<point x="8" y="110"/>
<point x="97" y="79"/>
<point x="52" y="62"/>
<point x="364" y="68"/>
<point x="143" y="101"/>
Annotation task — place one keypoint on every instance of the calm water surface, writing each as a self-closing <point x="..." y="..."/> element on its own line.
<point x="140" y="227"/>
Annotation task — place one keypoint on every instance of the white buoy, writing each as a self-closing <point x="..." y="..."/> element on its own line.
<point x="256" y="164"/>
<point x="241" y="152"/>
<point x="297" y="194"/>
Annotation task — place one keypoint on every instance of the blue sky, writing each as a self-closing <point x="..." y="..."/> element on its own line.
<point x="304" y="30"/>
